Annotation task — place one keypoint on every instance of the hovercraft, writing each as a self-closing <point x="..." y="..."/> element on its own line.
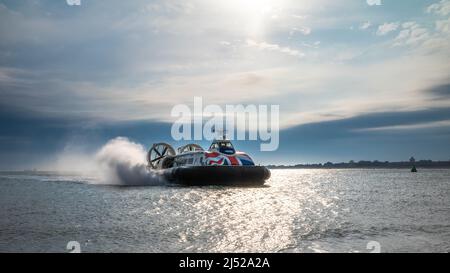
<point x="221" y="164"/>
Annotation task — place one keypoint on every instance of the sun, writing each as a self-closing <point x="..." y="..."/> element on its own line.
<point x="254" y="6"/>
<point x="254" y="14"/>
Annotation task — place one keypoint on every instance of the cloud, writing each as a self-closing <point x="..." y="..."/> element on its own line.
<point x="302" y="30"/>
<point x="411" y="34"/>
<point x="373" y="2"/>
<point x="443" y="26"/>
<point x="386" y="28"/>
<point x="395" y="119"/>
<point x="441" y="8"/>
<point x="365" y="25"/>
<point x="424" y="39"/>
<point x="408" y="127"/>
<point x="424" y="133"/>
<point x="274" y="47"/>
<point x="441" y="91"/>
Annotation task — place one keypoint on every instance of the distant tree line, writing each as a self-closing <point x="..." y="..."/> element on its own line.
<point x="368" y="164"/>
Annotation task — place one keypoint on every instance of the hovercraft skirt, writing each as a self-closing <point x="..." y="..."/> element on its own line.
<point x="217" y="175"/>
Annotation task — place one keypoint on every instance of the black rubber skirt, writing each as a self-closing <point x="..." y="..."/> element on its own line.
<point x="217" y="175"/>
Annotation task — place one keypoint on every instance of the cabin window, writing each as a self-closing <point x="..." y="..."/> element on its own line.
<point x="214" y="146"/>
<point x="223" y="147"/>
<point x="227" y="148"/>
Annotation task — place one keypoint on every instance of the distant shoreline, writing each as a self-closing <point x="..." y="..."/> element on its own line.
<point x="421" y="164"/>
<point x="424" y="164"/>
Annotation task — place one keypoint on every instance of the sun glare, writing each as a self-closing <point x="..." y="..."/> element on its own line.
<point x="252" y="13"/>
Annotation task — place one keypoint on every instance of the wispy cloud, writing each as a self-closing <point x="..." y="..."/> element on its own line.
<point x="302" y="30"/>
<point x="274" y="47"/>
<point x="404" y="127"/>
<point x="365" y="25"/>
<point x="443" y="26"/>
<point x="440" y="8"/>
<point x="411" y="34"/>
<point x="386" y="28"/>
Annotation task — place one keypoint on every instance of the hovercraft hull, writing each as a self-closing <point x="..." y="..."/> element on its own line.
<point x="217" y="175"/>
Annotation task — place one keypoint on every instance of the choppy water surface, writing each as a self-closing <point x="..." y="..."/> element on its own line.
<point x="298" y="211"/>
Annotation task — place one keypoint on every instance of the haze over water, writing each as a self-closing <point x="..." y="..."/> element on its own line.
<point x="298" y="211"/>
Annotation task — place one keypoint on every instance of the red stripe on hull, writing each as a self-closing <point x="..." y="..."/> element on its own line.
<point x="233" y="160"/>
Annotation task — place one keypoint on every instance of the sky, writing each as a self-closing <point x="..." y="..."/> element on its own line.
<point x="354" y="79"/>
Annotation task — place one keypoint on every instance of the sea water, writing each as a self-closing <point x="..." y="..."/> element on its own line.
<point x="296" y="211"/>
